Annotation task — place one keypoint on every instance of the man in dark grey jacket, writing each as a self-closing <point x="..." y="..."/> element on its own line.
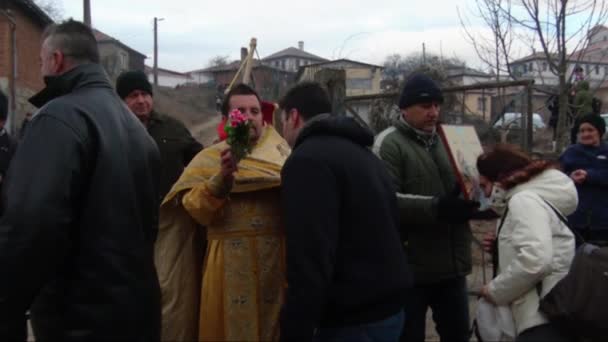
<point x="81" y="208"/>
<point x="433" y="218"/>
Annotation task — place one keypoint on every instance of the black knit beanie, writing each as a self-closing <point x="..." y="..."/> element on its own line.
<point x="132" y="80"/>
<point x="419" y="89"/>
<point x="594" y="120"/>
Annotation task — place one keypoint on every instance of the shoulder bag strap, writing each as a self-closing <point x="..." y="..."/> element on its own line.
<point x="495" y="249"/>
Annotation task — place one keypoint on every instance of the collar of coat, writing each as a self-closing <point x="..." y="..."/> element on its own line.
<point x="83" y="75"/>
<point x="428" y="140"/>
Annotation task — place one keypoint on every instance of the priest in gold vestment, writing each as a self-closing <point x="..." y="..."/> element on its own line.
<point x="234" y="211"/>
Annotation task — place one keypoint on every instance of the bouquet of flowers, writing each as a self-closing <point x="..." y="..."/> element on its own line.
<point x="237" y="127"/>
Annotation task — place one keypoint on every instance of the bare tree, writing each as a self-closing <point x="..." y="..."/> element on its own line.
<point x="554" y="26"/>
<point x="53" y="8"/>
<point x="397" y="68"/>
<point x="218" y="61"/>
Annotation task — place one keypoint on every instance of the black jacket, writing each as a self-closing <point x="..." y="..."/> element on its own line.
<point x="81" y="218"/>
<point x="7" y="150"/>
<point x="177" y="148"/>
<point x="345" y="263"/>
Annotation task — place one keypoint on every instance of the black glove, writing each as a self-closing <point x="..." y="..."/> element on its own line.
<point x="485" y="215"/>
<point x="453" y="209"/>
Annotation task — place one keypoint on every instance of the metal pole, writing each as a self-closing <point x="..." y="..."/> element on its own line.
<point x="529" y="120"/>
<point x="155" y="52"/>
<point x="87" y="12"/>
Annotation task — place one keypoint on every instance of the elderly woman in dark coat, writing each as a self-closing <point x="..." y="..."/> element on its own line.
<point x="586" y="162"/>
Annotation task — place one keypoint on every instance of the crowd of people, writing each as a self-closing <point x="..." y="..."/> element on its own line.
<point x="117" y="225"/>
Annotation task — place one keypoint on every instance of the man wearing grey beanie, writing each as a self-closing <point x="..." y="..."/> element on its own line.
<point x="434" y="219"/>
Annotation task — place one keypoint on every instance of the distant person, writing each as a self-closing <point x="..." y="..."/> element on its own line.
<point x="81" y="208"/>
<point x="176" y="145"/>
<point x="434" y="219"/>
<point x="347" y="275"/>
<point x="586" y="162"/>
<point x="583" y="100"/>
<point x="7" y="143"/>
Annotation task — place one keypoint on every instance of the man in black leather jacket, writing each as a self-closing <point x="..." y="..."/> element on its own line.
<point x="81" y="208"/>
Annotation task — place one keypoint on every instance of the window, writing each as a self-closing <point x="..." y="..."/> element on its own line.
<point x="359" y="83"/>
<point x="525" y="68"/>
<point x="283" y="64"/>
<point x="531" y="67"/>
<point x="587" y="69"/>
<point x="482" y="104"/>
<point x="597" y="69"/>
<point x="545" y="66"/>
<point x="606" y="70"/>
<point x="124" y="60"/>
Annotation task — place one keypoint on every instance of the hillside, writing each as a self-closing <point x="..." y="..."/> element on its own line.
<point x="194" y="106"/>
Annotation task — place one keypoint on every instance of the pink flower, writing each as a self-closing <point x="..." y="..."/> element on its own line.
<point x="237" y="118"/>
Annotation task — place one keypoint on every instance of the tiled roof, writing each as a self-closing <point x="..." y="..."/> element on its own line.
<point x="104" y="38"/>
<point x="34" y="10"/>
<point x="233" y="66"/>
<point x="293" y="52"/>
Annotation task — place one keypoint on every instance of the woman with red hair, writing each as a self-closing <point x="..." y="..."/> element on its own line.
<point x="534" y="248"/>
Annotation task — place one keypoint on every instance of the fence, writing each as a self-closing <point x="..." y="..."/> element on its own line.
<point x="513" y="112"/>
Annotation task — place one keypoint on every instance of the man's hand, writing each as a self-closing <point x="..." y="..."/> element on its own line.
<point x="488" y="241"/>
<point x="579" y="176"/>
<point x="453" y="209"/>
<point x="485" y="293"/>
<point x="228" y="166"/>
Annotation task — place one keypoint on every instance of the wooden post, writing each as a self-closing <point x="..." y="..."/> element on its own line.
<point x="155" y="70"/>
<point x="249" y="61"/>
<point x="87" y="12"/>
<point x="335" y="83"/>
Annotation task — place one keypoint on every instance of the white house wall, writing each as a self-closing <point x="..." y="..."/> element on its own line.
<point x="169" y="80"/>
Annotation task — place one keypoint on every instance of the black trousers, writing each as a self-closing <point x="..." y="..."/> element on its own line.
<point x="449" y="302"/>
<point x="546" y="332"/>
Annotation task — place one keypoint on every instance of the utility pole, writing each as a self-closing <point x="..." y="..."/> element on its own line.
<point x="87" y="12"/>
<point x="156" y="20"/>
<point x="423" y="53"/>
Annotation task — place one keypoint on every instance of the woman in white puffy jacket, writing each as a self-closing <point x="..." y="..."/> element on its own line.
<point x="535" y="248"/>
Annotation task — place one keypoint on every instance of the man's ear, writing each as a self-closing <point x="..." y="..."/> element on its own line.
<point x="294" y="114"/>
<point x="60" y="62"/>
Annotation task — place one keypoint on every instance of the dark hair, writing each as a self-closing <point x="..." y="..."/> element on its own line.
<point x="3" y="106"/>
<point x="74" y="39"/>
<point x="239" y="89"/>
<point x="509" y="166"/>
<point x="309" y="98"/>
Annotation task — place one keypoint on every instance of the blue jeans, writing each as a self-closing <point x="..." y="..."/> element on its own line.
<point x="386" y="330"/>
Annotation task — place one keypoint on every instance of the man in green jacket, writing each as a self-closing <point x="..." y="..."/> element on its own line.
<point x="434" y="218"/>
<point x="176" y="145"/>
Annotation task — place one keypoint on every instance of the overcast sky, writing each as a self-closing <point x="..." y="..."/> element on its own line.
<point x="193" y="31"/>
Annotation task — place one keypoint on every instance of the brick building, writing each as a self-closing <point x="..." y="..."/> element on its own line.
<point x="21" y="26"/>
<point x="270" y="82"/>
